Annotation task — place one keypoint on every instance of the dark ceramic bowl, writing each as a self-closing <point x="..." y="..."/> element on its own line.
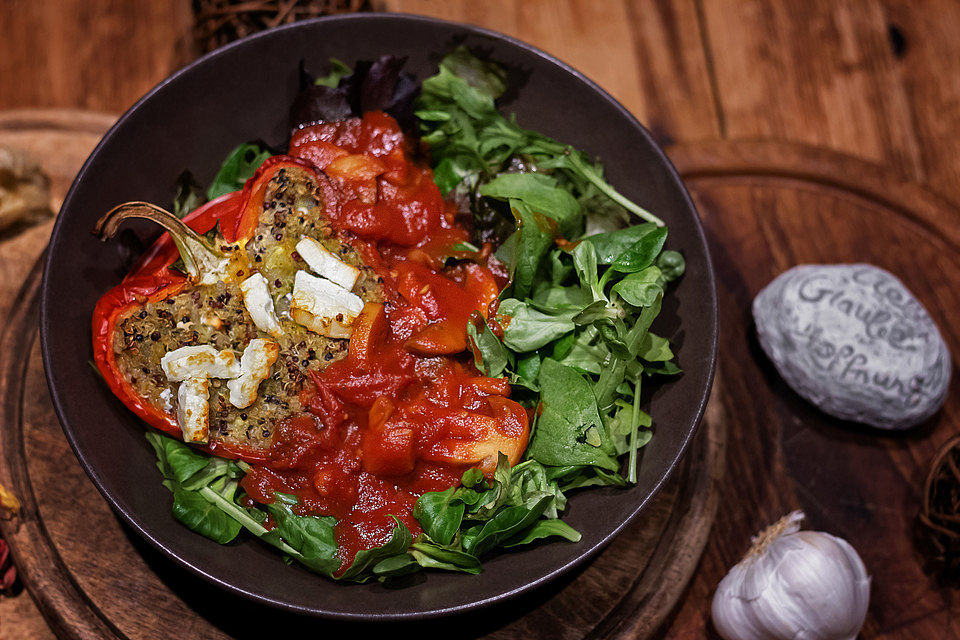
<point x="243" y="92"/>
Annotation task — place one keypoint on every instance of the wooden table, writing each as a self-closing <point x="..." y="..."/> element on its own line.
<point x="739" y="88"/>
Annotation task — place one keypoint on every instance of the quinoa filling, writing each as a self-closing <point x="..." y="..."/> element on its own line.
<point x="215" y="315"/>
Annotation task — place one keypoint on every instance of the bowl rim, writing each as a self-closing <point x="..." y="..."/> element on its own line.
<point x="130" y="519"/>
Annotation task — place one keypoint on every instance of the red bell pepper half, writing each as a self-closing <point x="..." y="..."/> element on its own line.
<point x="151" y="279"/>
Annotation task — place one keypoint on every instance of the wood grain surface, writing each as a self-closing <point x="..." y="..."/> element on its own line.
<point x="73" y="135"/>
<point x="874" y="80"/>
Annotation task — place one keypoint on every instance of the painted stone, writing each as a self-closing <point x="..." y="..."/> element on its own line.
<point x="852" y="340"/>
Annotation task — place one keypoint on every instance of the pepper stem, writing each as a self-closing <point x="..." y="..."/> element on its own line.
<point x="200" y="257"/>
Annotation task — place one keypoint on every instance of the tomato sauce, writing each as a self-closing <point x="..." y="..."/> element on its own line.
<point x="406" y="411"/>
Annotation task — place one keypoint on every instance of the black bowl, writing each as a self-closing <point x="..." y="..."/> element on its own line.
<point x="242" y="92"/>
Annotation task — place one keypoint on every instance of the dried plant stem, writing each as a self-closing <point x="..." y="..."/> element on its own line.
<point x="218" y="22"/>
<point x="939" y="516"/>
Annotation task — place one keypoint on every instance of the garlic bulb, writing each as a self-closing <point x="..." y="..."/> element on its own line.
<point x="793" y="585"/>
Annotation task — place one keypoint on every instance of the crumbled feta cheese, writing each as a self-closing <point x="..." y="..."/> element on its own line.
<point x="201" y="361"/>
<point x="323" y="307"/>
<point x="324" y="263"/>
<point x="213" y="269"/>
<point x="256" y="297"/>
<point x="285" y="309"/>
<point x="255" y="365"/>
<point x="167" y="396"/>
<point x="193" y="409"/>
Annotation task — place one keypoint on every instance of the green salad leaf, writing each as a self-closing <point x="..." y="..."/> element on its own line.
<point x="472" y="143"/>
<point x="489" y="354"/>
<point x="311" y="536"/>
<point x="400" y="540"/>
<point x="239" y="167"/>
<point x="569" y="430"/>
<point x="338" y="71"/>
<point x="440" y="513"/>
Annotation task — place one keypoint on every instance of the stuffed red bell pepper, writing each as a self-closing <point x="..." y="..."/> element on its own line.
<point x="224" y="332"/>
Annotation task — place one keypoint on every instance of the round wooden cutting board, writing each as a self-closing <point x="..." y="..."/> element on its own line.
<point x="766" y="207"/>
<point x="94" y="579"/>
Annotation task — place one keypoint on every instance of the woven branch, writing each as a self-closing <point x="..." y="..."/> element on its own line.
<point x="939" y="516"/>
<point x="218" y="22"/>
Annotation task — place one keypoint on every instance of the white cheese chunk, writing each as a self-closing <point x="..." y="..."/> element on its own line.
<point x="201" y="361"/>
<point x="256" y="297"/>
<point x="255" y="365"/>
<point x="167" y="396"/>
<point x="193" y="409"/>
<point x="323" y="307"/>
<point x="324" y="326"/>
<point x="325" y="264"/>
<point x="212" y="269"/>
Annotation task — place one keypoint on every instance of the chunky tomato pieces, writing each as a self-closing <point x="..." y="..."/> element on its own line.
<point x="406" y="411"/>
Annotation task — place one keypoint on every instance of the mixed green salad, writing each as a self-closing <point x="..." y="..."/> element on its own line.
<point x="588" y="274"/>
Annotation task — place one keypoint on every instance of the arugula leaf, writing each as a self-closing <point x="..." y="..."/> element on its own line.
<point x="594" y="313"/>
<point x="585" y="264"/>
<point x="610" y="378"/>
<point x="625" y="424"/>
<point x="541" y="193"/>
<point x="580" y="167"/>
<point x="641" y="326"/>
<point x="588" y="353"/>
<point x="578" y="477"/>
<point x="239" y="167"/>
<point x="662" y="369"/>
